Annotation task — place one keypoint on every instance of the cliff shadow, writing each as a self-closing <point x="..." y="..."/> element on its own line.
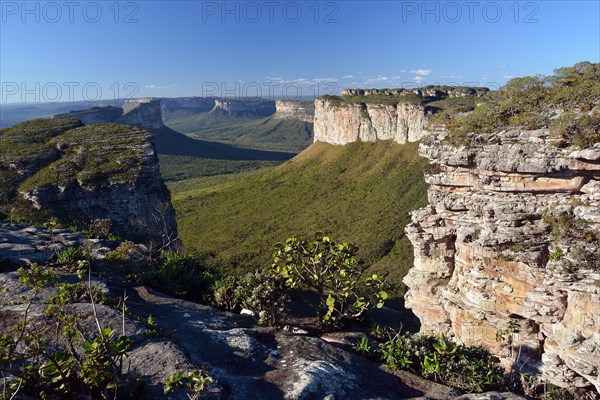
<point x="172" y="142"/>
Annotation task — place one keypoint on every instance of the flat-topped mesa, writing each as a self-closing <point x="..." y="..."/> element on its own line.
<point x="144" y="112"/>
<point x="290" y="109"/>
<point x="431" y="91"/>
<point x="369" y="115"/>
<point x="260" y="107"/>
<point x="512" y="235"/>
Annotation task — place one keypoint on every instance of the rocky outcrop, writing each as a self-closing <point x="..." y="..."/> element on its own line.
<point x="366" y="122"/>
<point x="288" y="109"/>
<point x="84" y="173"/>
<point x="511" y="238"/>
<point x="249" y="106"/>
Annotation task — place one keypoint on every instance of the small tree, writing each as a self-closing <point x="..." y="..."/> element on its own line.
<point x="332" y="270"/>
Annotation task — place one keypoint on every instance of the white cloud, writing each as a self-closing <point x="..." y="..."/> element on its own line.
<point x="507" y="77"/>
<point x="450" y="75"/>
<point x="418" y="79"/>
<point x="347" y="76"/>
<point x="160" y="87"/>
<point x="421" y="72"/>
<point x="379" y="78"/>
<point x="503" y="66"/>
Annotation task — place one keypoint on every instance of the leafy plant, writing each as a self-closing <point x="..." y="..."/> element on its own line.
<point x="224" y="293"/>
<point x="66" y="364"/>
<point x="556" y="254"/>
<point x="332" y="270"/>
<point x="469" y="368"/>
<point x="100" y="229"/>
<point x="194" y="383"/>
<point x="363" y="346"/>
<point x="150" y="324"/>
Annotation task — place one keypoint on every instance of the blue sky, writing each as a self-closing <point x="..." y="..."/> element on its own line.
<point x="61" y="51"/>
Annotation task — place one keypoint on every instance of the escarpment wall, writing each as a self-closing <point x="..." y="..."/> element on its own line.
<point x="258" y="107"/>
<point x="287" y="109"/>
<point x="512" y="233"/>
<point x="345" y="123"/>
<point x="142" y="112"/>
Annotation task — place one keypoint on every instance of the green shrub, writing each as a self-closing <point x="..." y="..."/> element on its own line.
<point x="194" y="383"/>
<point x="525" y="102"/>
<point x="76" y="293"/>
<point x="185" y="276"/>
<point x="125" y="253"/>
<point x="263" y="293"/>
<point x="100" y="229"/>
<point x="330" y="269"/>
<point x="73" y="258"/>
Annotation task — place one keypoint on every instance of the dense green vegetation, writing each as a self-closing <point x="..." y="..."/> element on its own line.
<point x="534" y="102"/>
<point x="30" y="141"/>
<point x="185" y="168"/>
<point x="472" y="369"/>
<point x="361" y="192"/>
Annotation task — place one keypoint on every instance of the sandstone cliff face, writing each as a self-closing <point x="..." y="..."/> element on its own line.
<point x="512" y="233"/>
<point x="142" y="112"/>
<point x="346" y="123"/>
<point x="287" y="109"/>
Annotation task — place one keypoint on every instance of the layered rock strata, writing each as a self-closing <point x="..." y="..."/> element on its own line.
<point x="287" y="109"/>
<point x="507" y="253"/>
